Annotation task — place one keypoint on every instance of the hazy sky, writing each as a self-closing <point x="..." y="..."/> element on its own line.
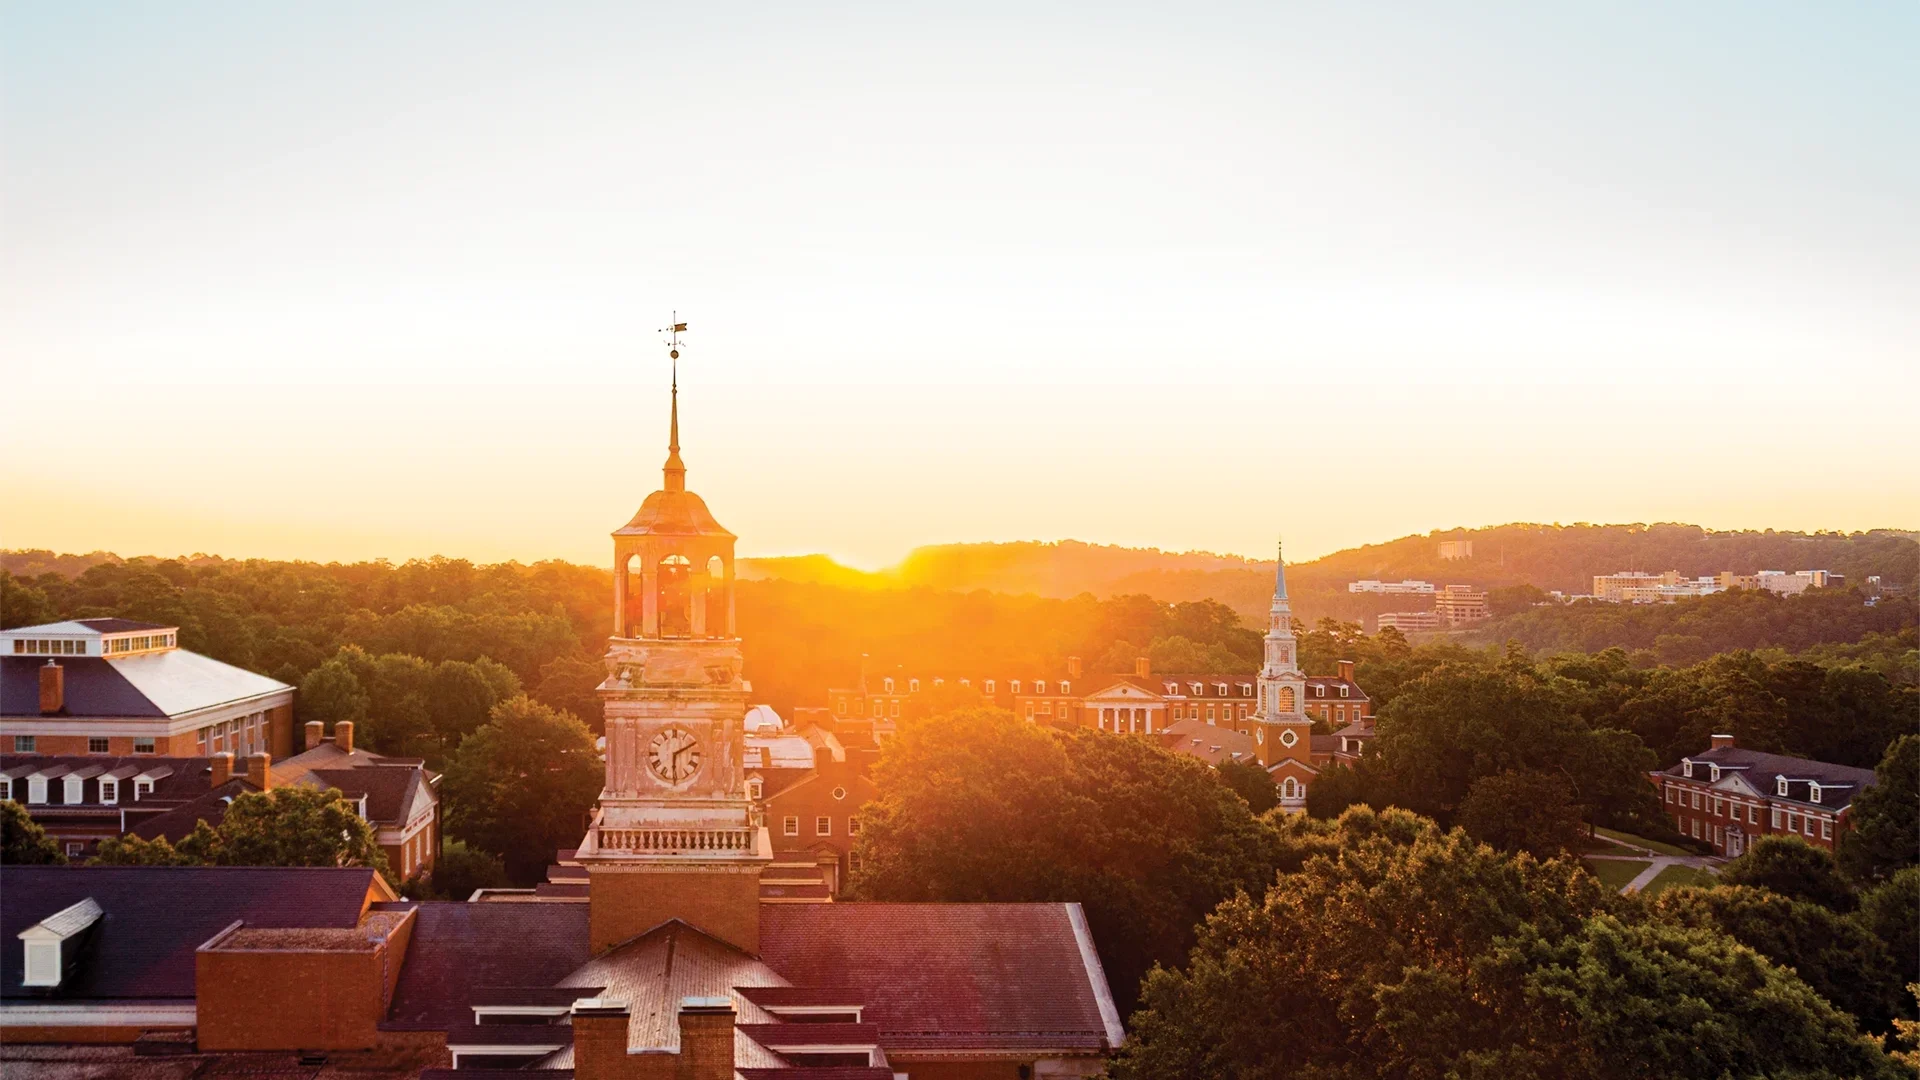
<point x="354" y="280"/>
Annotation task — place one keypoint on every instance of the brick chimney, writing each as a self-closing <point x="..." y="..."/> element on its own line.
<point x="316" y="730"/>
<point x="343" y="736"/>
<point x="600" y="1039"/>
<point x="222" y="768"/>
<point x="1073" y="667"/>
<point x="1142" y="666"/>
<point x="260" y="770"/>
<point x="53" y="688"/>
<point x="706" y="1039"/>
<point x="1723" y="742"/>
<point x="1345" y="668"/>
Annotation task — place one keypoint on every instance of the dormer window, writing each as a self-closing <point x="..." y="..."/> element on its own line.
<point x="75" y="790"/>
<point x="1039" y="686"/>
<point x="1780" y="786"/>
<point x="1066" y="687"/>
<point x="141" y="789"/>
<point x="47" y="942"/>
<point x="968" y="683"/>
<point x="755" y="787"/>
<point x="1014" y="686"/>
<point x="913" y="686"/>
<point x="1686" y="769"/>
<point x="1813" y="792"/>
<point x="939" y="682"/>
<point x="1343" y="689"/>
<point x="990" y="689"/>
<point x="1319" y="690"/>
<point x="1173" y="689"/>
<point x="1713" y="773"/>
<point x="36" y="789"/>
<point x="889" y="685"/>
<point x="1197" y="689"/>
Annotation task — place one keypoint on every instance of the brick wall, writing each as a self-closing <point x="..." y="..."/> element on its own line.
<point x="625" y="903"/>
<point x="296" y="999"/>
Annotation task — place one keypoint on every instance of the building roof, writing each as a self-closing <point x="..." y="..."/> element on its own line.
<point x="390" y="784"/>
<point x="114" y="626"/>
<point x="673" y="513"/>
<point x="167" y="683"/>
<point x="952" y="976"/>
<point x="185" y="778"/>
<point x="211" y="807"/>
<point x="1763" y="771"/>
<point x="1332" y="684"/>
<point x="154" y="917"/>
<point x="654" y="971"/>
<point x="460" y="948"/>
<point x="1210" y="743"/>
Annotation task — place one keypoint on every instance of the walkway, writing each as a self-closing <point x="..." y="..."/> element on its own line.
<point x="1658" y="862"/>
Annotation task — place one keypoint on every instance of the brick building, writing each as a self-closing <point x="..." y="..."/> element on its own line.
<point x="1727" y="796"/>
<point x="81" y="800"/>
<point x="125" y="688"/>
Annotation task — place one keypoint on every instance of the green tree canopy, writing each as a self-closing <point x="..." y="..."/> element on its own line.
<point x="1524" y="811"/>
<point x="1885" y="837"/>
<point x="1408" y="952"/>
<point x="1891" y="910"/>
<point x="521" y="785"/>
<point x="331" y="693"/>
<point x="979" y="806"/>
<point x="287" y="826"/>
<point x="1252" y="782"/>
<point x="1791" y="867"/>
<point x="22" y="841"/>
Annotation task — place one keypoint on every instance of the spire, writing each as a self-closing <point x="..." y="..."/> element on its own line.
<point x="675" y="470"/>
<point x="1279" y="575"/>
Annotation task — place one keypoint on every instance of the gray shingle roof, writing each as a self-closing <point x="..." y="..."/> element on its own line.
<point x="1762" y="770"/>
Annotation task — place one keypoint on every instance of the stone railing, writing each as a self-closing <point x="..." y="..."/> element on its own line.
<point x="676" y="841"/>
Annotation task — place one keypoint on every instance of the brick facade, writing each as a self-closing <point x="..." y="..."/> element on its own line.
<point x="627" y="901"/>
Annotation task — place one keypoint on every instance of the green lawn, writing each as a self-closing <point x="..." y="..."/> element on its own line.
<point x="1654" y="845"/>
<point x="1615" y="873"/>
<point x="1677" y="875"/>
<point x="1600" y="845"/>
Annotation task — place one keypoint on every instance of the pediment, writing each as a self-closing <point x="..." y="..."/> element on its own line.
<point x="1737" y="783"/>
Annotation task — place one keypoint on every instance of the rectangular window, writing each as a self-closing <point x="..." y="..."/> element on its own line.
<point x="1793" y="821"/>
<point x="1029" y="710"/>
<point x="140" y="788"/>
<point x="109" y="791"/>
<point x="23" y="744"/>
<point x="1670" y="790"/>
<point x="1696" y="800"/>
<point x="1209" y="714"/>
<point x="1753" y="813"/>
<point x="36" y="789"/>
<point x="790" y="826"/>
<point x="853" y="826"/>
<point x="1776" y="818"/>
<point x="894" y="709"/>
<point x="75" y="849"/>
<point x="1826" y="829"/>
<point x="143" y="746"/>
<point x="96" y="745"/>
<point x="1807" y="825"/>
<point x="823" y="826"/>
<point x="6" y="789"/>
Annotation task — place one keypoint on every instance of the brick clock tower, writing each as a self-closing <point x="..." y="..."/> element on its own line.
<point x="1283" y="734"/>
<point x="674" y="835"/>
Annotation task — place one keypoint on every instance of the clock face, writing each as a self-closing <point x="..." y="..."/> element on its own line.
<point x="674" y="755"/>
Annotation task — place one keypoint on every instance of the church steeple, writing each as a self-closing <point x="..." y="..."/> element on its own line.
<point x="675" y="470"/>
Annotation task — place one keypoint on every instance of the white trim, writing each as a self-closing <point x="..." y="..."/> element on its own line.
<point x="97" y="1014"/>
<point x="522" y="1010"/>
<point x="815" y="1010"/>
<point x="1096" y="976"/>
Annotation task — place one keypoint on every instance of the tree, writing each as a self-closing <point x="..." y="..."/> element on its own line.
<point x="294" y="826"/>
<point x="331" y="693"/>
<point x="1885" y="837"/>
<point x="457" y="872"/>
<point x="1791" y="867"/>
<point x="977" y="806"/>
<point x="521" y="785"/>
<point x="1409" y="952"/>
<point x="1251" y="782"/>
<point x="570" y="684"/>
<point x="1337" y="787"/>
<point x="1840" y="958"/>
<point x="1891" y="910"/>
<point x="23" y="842"/>
<point x="199" y="848"/>
<point x="1523" y="811"/>
<point x="462" y="697"/>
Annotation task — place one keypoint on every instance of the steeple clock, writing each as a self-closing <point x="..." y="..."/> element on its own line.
<point x="674" y="835"/>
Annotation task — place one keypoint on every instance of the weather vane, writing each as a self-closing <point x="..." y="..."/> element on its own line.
<point x="673" y="339"/>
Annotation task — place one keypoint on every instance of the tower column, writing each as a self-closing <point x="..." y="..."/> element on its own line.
<point x="650" y="598"/>
<point x="620" y="596"/>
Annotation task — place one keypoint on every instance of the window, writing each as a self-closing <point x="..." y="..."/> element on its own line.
<point x="1696" y="828"/>
<point x="1209" y="714"/>
<point x="1670" y="791"/>
<point x="75" y="849"/>
<point x="1793" y="821"/>
<point x="143" y="746"/>
<point x="1826" y="829"/>
<point x="1719" y="808"/>
<point x="853" y="826"/>
<point x="823" y="826"/>
<point x="1343" y="689"/>
<point x="853" y="861"/>
<point x="76" y="791"/>
<point x="140" y="788"/>
<point x="839" y="793"/>
<point x="990" y="689"/>
<point x="1696" y="800"/>
<point x="790" y="825"/>
<point x="1806" y="824"/>
<point x="893" y="707"/>
<point x="913" y="686"/>
<point x="754" y="787"/>
<point x="1014" y="686"/>
<point x="1039" y="686"/>
<point x="97" y="745"/>
<point x="109" y="790"/>
<point x="1813" y="792"/>
<point x="1319" y="690"/>
<point x="1753" y="813"/>
<point x="23" y="744"/>
<point x="889" y="683"/>
<point x="1029" y="710"/>
<point x="36" y="789"/>
<point x="1066" y="687"/>
<point x="202" y="734"/>
<point x="43" y="963"/>
<point x="6" y="789"/>
<point x="1777" y="818"/>
<point x="1686" y="768"/>
<point x="1780" y="786"/>
<point x="840" y="706"/>
<point x="879" y="707"/>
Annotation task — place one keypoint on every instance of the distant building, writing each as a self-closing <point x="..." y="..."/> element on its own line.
<point x="1451" y="550"/>
<point x="82" y="799"/>
<point x="1407" y="622"/>
<point x="1639" y="587"/>
<point x="1727" y="796"/>
<point x="1369" y="585"/>
<point x="1458" y="605"/>
<point x="126" y="688"/>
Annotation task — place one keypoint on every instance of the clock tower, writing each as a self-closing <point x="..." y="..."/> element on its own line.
<point x="674" y="834"/>
<point x="1283" y="735"/>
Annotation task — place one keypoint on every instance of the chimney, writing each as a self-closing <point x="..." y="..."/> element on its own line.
<point x="706" y="1039"/>
<point x="222" y="769"/>
<point x="260" y="770"/>
<point x="1073" y="667"/>
<point x="1142" y="666"/>
<point x="316" y="730"/>
<point x="53" y="688"/>
<point x="1723" y="742"/>
<point x="600" y="1037"/>
<point x="1345" y="668"/>
<point x="343" y="735"/>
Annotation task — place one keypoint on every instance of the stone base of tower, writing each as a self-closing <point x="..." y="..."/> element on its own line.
<point x="625" y="901"/>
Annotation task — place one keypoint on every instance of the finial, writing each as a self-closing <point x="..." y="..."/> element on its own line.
<point x="1279" y="570"/>
<point x="675" y="470"/>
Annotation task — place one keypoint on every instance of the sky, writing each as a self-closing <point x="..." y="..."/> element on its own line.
<point x="345" y="280"/>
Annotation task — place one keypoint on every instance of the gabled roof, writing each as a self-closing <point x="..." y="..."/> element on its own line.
<point x="154" y="917"/>
<point x="460" y="948"/>
<point x="1763" y="770"/>
<point x="654" y="971"/>
<point x="1210" y="743"/>
<point x="952" y="976"/>
<point x="94" y="687"/>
